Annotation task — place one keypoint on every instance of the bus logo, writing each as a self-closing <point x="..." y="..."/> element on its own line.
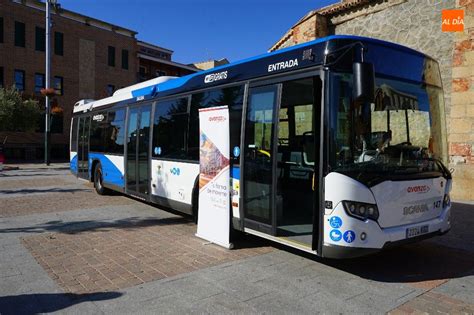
<point x="415" y="209"/>
<point x="213" y="77"/>
<point x="418" y="189"/>
<point x="98" y="117"/>
<point x="175" y="171"/>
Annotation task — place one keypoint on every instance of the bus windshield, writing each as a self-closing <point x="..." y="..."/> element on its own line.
<point x="401" y="132"/>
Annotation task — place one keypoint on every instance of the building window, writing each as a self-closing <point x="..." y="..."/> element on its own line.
<point x="160" y="73"/>
<point x="125" y="59"/>
<point x="111" y="56"/>
<point x="1" y="29"/>
<point x="110" y="89"/>
<point x="58" y="85"/>
<point x="1" y="77"/>
<point x="19" y="34"/>
<point x="40" y="38"/>
<point x="20" y="80"/>
<point x="59" y="43"/>
<point x="39" y="82"/>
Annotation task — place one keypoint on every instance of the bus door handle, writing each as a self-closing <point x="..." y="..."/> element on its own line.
<point x="312" y="181"/>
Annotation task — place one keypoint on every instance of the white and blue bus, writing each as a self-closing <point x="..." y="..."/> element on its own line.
<point x="338" y="146"/>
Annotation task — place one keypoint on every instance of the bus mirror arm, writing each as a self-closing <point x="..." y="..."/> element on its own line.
<point x="363" y="82"/>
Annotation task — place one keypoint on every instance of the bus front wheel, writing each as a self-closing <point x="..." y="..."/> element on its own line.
<point x="98" y="180"/>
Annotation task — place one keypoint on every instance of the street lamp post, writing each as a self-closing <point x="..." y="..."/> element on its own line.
<point x="47" y="133"/>
<point x="47" y="127"/>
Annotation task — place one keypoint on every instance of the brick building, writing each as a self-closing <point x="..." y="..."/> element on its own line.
<point x="155" y="61"/>
<point x="90" y="58"/>
<point x="416" y="24"/>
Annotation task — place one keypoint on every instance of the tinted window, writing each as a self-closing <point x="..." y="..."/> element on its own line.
<point x="19" y="34"/>
<point x="125" y="59"/>
<point x="59" y="43"/>
<point x="232" y="97"/>
<point x="39" y="82"/>
<point x="98" y="131"/>
<point x="58" y="85"/>
<point x="111" y="56"/>
<point x="170" y="129"/>
<point x="115" y="132"/>
<point x="40" y="38"/>
<point x="110" y="89"/>
<point x="74" y="135"/>
<point x="20" y="80"/>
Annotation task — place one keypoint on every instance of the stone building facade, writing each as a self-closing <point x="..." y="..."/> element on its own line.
<point x="416" y="24"/>
<point x="209" y="64"/>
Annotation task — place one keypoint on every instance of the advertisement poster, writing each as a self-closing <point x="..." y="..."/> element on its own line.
<point x="214" y="207"/>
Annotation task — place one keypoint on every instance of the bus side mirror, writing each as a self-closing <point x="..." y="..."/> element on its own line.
<point x="363" y="82"/>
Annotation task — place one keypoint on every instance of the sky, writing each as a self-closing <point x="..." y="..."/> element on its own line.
<point x="201" y="30"/>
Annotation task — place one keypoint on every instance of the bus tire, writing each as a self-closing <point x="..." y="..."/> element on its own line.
<point x="98" y="184"/>
<point x="195" y="200"/>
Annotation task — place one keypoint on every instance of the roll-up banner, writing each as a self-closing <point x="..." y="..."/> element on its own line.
<point x="214" y="177"/>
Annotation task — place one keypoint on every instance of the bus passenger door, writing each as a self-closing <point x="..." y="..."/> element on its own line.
<point x="258" y="165"/>
<point x="138" y="144"/>
<point x="83" y="148"/>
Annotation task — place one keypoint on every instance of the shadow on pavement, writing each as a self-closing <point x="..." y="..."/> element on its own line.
<point x="77" y="227"/>
<point x="424" y="261"/>
<point x="440" y="258"/>
<point x="26" y="175"/>
<point x="47" y="303"/>
<point x="50" y="190"/>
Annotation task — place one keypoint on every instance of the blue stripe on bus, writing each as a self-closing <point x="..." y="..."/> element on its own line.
<point x="111" y="174"/>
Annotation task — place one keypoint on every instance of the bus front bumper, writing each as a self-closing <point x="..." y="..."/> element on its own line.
<point x="383" y="238"/>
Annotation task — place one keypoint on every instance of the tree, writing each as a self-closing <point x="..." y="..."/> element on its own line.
<point x="16" y="113"/>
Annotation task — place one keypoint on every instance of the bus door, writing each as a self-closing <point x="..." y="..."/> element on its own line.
<point x="137" y="168"/>
<point x="281" y="172"/>
<point x="83" y="147"/>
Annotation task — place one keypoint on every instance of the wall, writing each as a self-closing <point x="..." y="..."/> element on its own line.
<point x="461" y="135"/>
<point x="83" y="67"/>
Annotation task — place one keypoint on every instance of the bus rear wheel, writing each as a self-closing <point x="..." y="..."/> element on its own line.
<point x="98" y="181"/>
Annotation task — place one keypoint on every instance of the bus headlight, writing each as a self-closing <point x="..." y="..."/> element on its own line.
<point x="361" y="210"/>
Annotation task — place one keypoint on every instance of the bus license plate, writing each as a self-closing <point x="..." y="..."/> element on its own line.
<point x="417" y="230"/>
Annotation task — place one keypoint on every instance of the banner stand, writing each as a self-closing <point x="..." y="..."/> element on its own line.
<point x="214" y="176"/>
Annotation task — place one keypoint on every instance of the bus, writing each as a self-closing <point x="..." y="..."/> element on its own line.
<point x="338" y="146"/>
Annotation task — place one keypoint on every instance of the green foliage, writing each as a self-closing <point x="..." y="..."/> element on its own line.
<point x="16" y="113"/>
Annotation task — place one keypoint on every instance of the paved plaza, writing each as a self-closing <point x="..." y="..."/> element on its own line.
<point x="63" y="248"/>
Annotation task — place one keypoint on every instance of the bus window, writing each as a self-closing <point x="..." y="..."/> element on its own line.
<point x="115" y="132"/>
<point x="170" y="129"/>
<point x="98" y="126"/>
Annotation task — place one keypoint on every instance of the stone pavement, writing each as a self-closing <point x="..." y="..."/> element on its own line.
<point x="65" y="249"/>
